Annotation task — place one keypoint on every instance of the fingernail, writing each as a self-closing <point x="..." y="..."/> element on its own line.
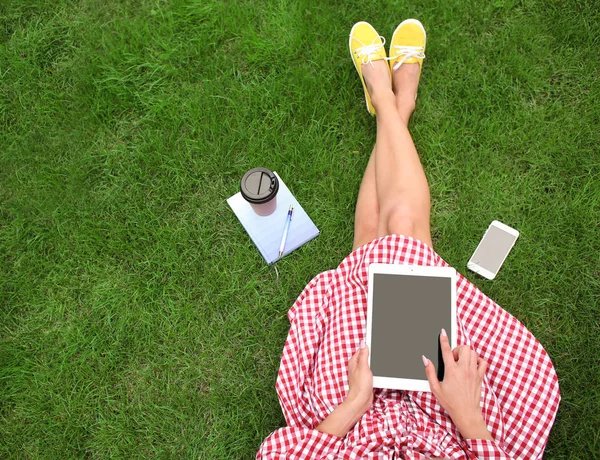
<point x="425" y="360"/>
<point x="444" y="333"/>
<point x="363" y="344"/>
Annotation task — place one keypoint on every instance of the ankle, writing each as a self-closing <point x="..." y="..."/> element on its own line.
<point x="382" y="96"/>
<point x="406" y="84"/>
<point x="406" y="106"/>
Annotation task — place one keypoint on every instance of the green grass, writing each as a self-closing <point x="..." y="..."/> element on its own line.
<point x="137" y="319"/>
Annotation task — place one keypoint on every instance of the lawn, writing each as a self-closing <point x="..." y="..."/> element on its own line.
<point x="136" y="317"/>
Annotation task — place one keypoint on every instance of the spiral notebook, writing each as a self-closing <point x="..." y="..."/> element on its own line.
<point x="266" y="231"/>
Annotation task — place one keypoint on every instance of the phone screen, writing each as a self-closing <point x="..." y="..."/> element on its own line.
<point x="493" y="249"/>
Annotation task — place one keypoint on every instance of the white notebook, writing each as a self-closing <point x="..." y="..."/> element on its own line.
<point x="266" y="232"/>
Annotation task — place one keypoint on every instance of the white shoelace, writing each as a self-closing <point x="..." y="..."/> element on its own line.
<point x="366" y="53"/>
<point x="407" y="52"/>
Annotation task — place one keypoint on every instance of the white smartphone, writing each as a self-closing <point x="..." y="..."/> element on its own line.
<point x="493" y="249"/>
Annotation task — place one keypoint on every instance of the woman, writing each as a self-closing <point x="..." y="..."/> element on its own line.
<point x="500" y="393"/>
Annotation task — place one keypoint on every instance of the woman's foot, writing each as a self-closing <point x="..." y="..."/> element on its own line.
<point x="407" y="52"/>
<point x="377" y="79"/>
<point x="405" y="82"/>
<point x="368" y="53"/>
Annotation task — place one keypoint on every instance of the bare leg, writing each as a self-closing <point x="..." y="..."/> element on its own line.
<point x="366" y="218"/>
<point x="402" y="192"/>
<point x="405" y="84"/>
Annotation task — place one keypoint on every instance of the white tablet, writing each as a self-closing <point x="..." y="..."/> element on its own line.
<point x="408" y="306"/>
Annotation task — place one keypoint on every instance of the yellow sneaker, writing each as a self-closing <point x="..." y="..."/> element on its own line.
<point x="366" y="46"/>
<point x="408" y="44"/>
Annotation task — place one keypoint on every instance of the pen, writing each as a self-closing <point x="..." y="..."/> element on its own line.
<point x="286" y="229"/>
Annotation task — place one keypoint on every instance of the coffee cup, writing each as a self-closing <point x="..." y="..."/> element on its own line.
<point x="259" y="187"/>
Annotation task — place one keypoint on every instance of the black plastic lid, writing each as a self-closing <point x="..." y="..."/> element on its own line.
<point x="259" y="185"/>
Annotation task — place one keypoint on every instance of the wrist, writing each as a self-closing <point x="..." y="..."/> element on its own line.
<point x="342" y="419"/>
<point x="354" y="407"/>
<point x="357" y="405"/>
<point x="472" y="426"/>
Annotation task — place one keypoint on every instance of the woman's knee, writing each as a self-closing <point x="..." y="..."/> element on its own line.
<point x="366" y="226"/>
<point x="364" y="232"/>
<point x="400" y="219"/>
<point x="406" y="220"/>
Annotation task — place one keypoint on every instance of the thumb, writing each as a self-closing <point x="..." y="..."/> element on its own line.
<point x="434" y="383"/>
<point x="363" y="353"/>
<point x="357" y="357"/>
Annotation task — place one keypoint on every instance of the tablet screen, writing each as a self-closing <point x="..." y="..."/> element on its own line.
<point x="408" y="313"/>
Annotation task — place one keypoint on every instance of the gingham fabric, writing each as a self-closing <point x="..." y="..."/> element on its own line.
<point x="519" y="399"/>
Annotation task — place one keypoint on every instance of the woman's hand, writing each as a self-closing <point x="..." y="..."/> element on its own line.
<point x="359" y="399"/>
<point x="360" y="380"/>
<point x="460" y="391"/>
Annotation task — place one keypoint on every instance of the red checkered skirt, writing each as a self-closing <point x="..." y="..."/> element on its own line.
<point x="519" y="396"/>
